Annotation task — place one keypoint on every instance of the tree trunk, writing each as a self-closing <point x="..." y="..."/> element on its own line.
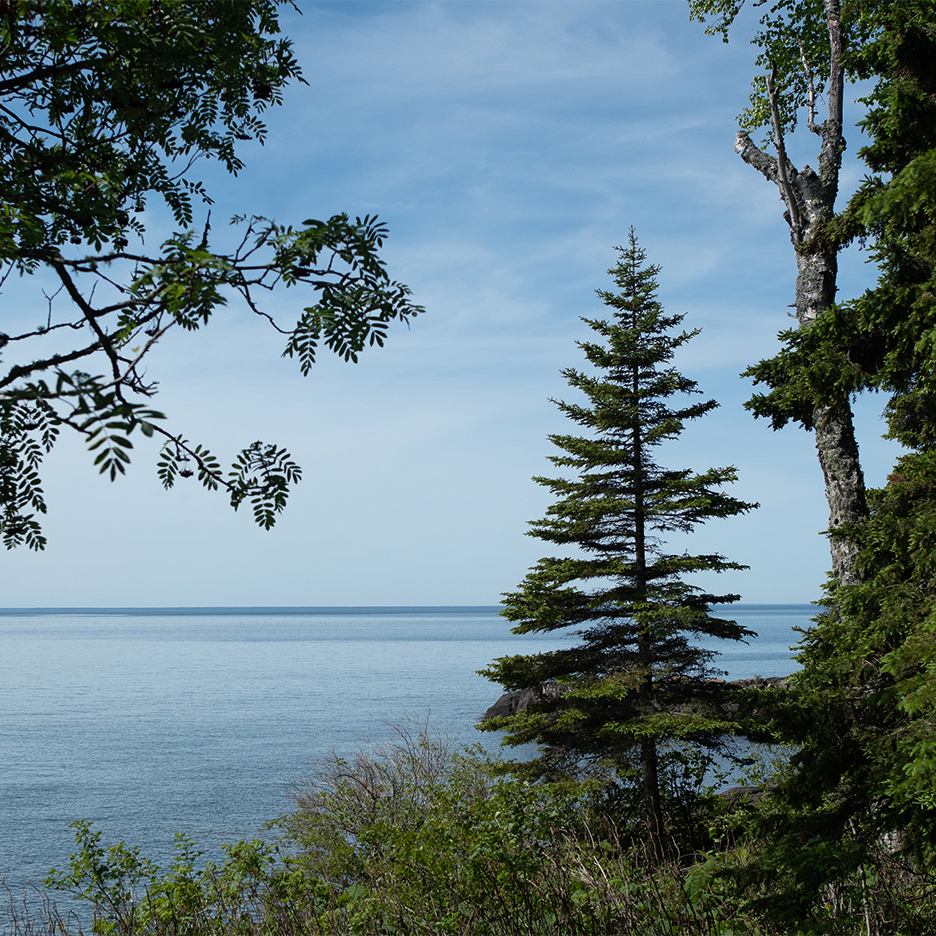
<point x="844" y="485"/>
<point x="652" y="804"/>
<point x="810" y="202"/>
<point x="648" y="749"/>
<point x="832" y="423"/>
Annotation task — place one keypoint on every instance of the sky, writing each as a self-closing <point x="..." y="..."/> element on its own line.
<point x="509" y="146"/>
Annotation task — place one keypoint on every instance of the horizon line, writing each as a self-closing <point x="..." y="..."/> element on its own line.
<point x="319" y="608"/>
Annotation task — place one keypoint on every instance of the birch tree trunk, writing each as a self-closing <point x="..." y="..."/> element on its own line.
<point x="809" y="197"/>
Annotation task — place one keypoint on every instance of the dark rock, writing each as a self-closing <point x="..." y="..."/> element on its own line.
<point x="761" y="682"/>
<point x="512" y="702"/>
<point x="505" y="705"/>
<point x="741" y="795"/>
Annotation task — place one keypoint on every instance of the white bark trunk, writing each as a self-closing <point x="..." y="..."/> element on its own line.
<point x="810" y="199"/>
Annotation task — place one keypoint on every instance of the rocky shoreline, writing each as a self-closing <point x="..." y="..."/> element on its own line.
<point x="512" y="702"/>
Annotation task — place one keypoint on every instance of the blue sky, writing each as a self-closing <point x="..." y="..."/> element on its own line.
<point x="509" y="146"/>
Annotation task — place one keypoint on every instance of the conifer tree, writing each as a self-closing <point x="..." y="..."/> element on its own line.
<point x="638" y="677"/>
<point x="861" y="710"/>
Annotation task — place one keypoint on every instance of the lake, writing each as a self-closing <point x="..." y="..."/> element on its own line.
<point x="149" y="722"/>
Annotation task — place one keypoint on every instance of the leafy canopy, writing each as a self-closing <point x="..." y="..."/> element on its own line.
<point x="794" y="44"/>
<point x="106" y="110"/>
<point x="860" y="713"/>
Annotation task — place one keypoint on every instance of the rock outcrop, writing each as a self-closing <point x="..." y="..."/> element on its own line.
<point x="512" y="702"/>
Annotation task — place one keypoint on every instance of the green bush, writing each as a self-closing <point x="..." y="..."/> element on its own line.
<point x="255" y="890"/>
<point x="411" y="837"/>
<point x="430" y="840"/>
<point x="415" y="838"/>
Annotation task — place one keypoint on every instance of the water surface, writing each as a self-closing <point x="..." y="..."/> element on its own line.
<point x="149" y="722"/>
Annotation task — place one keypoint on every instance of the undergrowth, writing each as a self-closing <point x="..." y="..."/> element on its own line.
<point x="412" y="837"/>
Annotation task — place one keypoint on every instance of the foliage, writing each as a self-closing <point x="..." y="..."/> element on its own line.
<point x="414" y="837"/>
<point x="859" y="799"/>
<point x="848" y="833"/>
<point x="802" y="52"/>
<point x="794" y="45"/>
<point x="411" y="837"/>
<point x="638" y="678"/>
<point x="884" y="339"/>
<point x="810" y="885"/>
<point x="254" y="890"/>
<point x="432" y="840"/>
<point x="861" y="793"/>
<point x="856" y="813"/>
<point x="106" y="110"/>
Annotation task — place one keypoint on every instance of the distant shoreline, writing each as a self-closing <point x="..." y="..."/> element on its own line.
<point x="249" y="611"/>
<point x="324" y="609"/>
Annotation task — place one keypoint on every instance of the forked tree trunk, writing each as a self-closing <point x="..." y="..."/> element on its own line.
<point x="809" y="197"/>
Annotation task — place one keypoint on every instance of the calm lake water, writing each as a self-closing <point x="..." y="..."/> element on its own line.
<point x="155" y="721"/>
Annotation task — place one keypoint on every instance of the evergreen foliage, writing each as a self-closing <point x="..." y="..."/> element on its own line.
<point x="860" y="794"/>
<point x="875" y="651"/>
<point x="857" y="805"/>
<point x="894" y="323"/>
<point x="638" y="678"/>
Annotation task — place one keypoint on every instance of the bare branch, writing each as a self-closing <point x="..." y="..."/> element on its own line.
<point x="18" y="371"/>
<point x="783" y="180"/>
<point x="833" y="143"/>
<point x="248" y="298"/>
<point x="36" y="132"/>
<point x="44" y="330"/>
<point x="57" y="69"/>
<point x="836" y="71"/>
<point x="79" y="300"/>
<point x="135" y="382"/>
<point x="763" y="162"/>
<point x="807" y="71"/>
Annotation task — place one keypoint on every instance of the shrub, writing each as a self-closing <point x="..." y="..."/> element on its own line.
<point x="413" y="837"/>
<point x="431" y="840"/>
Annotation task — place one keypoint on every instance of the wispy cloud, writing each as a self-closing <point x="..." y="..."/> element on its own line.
<point x="509" y="145"/>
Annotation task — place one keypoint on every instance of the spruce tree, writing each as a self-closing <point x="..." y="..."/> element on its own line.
<point x="638" y="678"/>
